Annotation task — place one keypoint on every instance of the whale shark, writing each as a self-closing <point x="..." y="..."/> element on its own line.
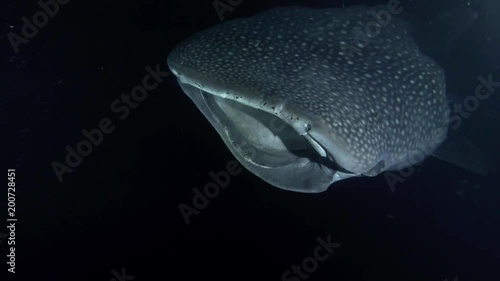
<point x="307" y="97"/>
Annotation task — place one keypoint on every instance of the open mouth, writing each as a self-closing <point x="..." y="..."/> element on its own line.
<point x="260" y="137"/>
<point x="267" y="145"/>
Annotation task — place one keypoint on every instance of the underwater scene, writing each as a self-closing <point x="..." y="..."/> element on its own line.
<point x="277" y="140"/>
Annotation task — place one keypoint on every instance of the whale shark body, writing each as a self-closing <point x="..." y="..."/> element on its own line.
<point x="306" y="97"/>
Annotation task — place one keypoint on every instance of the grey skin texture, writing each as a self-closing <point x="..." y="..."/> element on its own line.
<point x="302" y="102"/>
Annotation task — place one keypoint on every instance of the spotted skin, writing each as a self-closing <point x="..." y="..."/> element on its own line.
<point x="381" y="102"/>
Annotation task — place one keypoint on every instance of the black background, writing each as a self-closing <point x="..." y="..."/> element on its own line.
<point x="119" y="207"/>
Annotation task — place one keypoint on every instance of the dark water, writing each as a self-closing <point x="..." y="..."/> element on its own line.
<point x="119" y="207"/>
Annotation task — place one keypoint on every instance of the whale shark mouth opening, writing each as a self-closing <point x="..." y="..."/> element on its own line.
<point x="267" y="145"/>
<point x="261" y="137"/>
<point x="273" y="142"/>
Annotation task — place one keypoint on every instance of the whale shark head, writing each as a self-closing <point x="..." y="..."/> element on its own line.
<point x="306" y="97"/>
